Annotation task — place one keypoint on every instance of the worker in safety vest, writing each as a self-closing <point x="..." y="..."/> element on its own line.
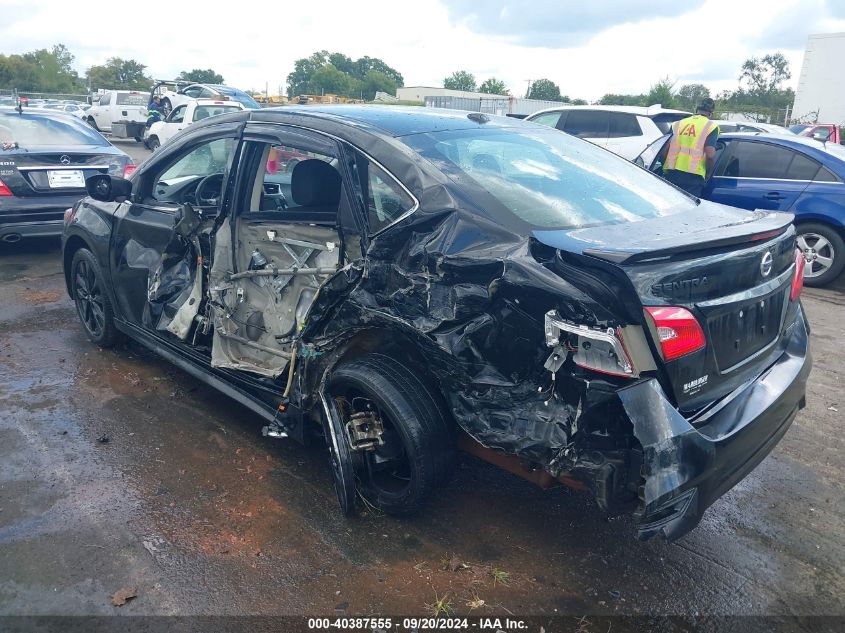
<point x="688" y="158"/>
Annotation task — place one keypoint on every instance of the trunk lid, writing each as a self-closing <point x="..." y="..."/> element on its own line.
<point x="50" y="172"/>
<point x="731" y="269"/>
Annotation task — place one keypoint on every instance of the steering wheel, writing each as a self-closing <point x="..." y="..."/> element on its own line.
<point x="209" y="190"/>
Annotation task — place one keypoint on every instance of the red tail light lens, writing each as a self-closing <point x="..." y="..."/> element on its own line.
<point x="798" y="279"/>
<point x="127" y="171"/>
<point x="4" y="190"/>
<point x="678" y="331"/>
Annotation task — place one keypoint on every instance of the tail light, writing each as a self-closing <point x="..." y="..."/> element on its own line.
<point x="4" y="190"/>
<point x="127" y="171"/>
<point x="678" y="331"/>
<point x="798" y="279"/>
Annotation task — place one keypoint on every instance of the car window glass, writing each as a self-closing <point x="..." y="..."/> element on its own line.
<point x="757" y="160"/>
<point x="193" y="91"/>
<point x="825" y="175"/>
<point x="385" y="198"/>
<point x="132" y="98"/>
<point x="547" y="118"/>
<point x="203" y="112"/>
<point x="105" y="99"/>
<point x="587" y="123"/>
<point x="276" y="173"/>
<point x="623" y="124"/>
<point x="546" y="179"/>
<point x="821" y="134"/>
<point x="178" y="115"/>
<point x="177" y="182"/>
<point x="802" y="168"/>
<point x="727" y="127"/>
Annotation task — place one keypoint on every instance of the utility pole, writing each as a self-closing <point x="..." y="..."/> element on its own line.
<point x="528" y="88"/>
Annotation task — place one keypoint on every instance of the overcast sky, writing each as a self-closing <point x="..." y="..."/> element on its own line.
<point x="588" y="47"/>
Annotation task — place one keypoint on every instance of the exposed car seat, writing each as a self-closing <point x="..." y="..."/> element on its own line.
<point x="315" y="189"/>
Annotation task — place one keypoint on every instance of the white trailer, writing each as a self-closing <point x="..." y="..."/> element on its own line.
<point x="820" y="97"/>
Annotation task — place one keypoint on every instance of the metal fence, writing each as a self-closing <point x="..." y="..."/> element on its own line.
<point x="4" y="92"/>
<point x="491" y="105"/>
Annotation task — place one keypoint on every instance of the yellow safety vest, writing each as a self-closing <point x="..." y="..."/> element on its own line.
<point x="686" y="147"/>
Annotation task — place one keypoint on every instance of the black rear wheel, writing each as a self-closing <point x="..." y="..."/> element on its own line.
<point x="92" y="302"/>
<point x="416" y="455"/>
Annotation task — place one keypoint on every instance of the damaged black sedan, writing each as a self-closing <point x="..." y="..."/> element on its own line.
<point x="423" y="281"/>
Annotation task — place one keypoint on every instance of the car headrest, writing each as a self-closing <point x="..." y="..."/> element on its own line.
<point x="315" y="183"/>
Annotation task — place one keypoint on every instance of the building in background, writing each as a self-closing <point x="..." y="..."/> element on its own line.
<point x="820" y="97"/>
<point x="473" y="101"/>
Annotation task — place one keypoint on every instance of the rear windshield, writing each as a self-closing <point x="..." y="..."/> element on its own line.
<point x="548" y="179"/>
<point x="203" y="112"/>
<point x="32" y="130"/>
<point x="135" y="99"/>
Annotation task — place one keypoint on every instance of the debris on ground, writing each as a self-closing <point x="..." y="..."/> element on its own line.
<point x="103" y="439"/>
<point x="38" y="297"/>
<point x="122" y="596"/>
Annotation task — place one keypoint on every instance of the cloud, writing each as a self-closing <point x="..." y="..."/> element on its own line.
<point x="789" y="28"/>
<point x="557" y="24"/>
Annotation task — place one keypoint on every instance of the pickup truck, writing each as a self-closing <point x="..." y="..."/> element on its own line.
<point x="827" y="132"/>
<point x="121" y="113"/>
<point x="183" y="115"/>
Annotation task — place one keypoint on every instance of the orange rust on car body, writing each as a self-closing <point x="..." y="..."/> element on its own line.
<point x="514" y="465"/>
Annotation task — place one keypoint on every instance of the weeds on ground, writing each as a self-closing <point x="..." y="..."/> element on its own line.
<point x="440" y="606"/>
<point x="500" y="577"/>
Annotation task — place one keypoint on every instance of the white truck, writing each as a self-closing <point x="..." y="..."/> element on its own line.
<point x="121" y="113"/>
<point x="183" y="115"/>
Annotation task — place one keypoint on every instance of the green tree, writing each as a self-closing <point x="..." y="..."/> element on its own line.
<point x="545" y="89"/>
<point x="355" y="72"/>
<point x="365" y="64"/>
<point x="690" y="96"/>
<point x="661" y="93"/>
<point x="619" y="99"/>
<point x="329" y="80"/>
<point x="493" y="86"/>
<point x="765" y="76"/>
<point x="376" y="81"/>
<point x="460" y="80"/>
<point x="117" y="73"/>
<point x="579" y="102"/>
<point x="760" y="95"/>
<point x="41" y="70"/>
<point x="201" y="76"/>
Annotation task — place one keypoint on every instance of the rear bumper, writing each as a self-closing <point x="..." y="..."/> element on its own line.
<point x="34" y="217"/>
<point x="686" y="468"/>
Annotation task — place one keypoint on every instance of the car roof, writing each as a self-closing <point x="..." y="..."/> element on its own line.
<point x="640" y="110"/>
<point x="789" y="140"/>
<point x="393" y="120"/>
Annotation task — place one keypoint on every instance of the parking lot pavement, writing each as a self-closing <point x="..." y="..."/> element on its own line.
<point x="137" y="151"/>
<point x="118" y="470"/>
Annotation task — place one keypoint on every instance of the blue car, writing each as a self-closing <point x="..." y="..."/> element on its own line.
<point x="783" y="173"/>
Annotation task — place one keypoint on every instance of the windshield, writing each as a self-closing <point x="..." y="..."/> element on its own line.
<point x="131" y="98"/>
<point x="32" y="130"/>
<point x="548" y="179"/>
<point x="239" y="96"/>
<point x="797" y="129"/>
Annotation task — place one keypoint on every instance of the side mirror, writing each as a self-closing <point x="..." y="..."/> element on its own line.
<point x="107" y="188"/>
<point x="820" y="136"/>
